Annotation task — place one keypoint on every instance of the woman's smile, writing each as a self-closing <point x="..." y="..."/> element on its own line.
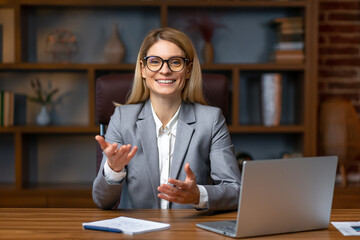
<point x="165" y="81"/>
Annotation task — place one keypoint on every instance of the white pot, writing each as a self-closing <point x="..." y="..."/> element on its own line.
<point x="43" y="118"/>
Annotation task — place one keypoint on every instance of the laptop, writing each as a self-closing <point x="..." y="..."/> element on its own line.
<point x="281" y="196"/>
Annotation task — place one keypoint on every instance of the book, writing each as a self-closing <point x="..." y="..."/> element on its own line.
<point x="290" y="26"/>
<point x="292" y="31"/>
<point x="289" y="52"/>
<point x="126" y="225"/>
<point x="1" y="108"/>
<point x="284" y="58"/>
<point x="1" y="40"/>
<point x="290" y="61"/>
<point x="292" y="37"/>
<point x="7" y="20"/>
<point x="12" y="106"/>
<point x="287" y="57"/>
<point x="289" y="46"/>
<point x="289" y="20"/>
<point x="295" y="25"/>
<point x="6" y="111"/>
<point x="20" y="101"/>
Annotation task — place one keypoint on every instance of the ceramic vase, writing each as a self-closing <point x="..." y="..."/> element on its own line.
<point x="208" y="52"/>
<point x="43" y="118"/>
<point x="114" y="50"/>
<point x="271" y="94"/>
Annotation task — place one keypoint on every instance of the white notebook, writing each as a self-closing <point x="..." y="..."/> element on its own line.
<point x="126" y="225"/>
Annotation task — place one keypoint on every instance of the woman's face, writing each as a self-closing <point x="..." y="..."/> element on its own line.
<point x="165" y="82"/>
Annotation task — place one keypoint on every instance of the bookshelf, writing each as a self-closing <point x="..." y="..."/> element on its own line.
<point x="31" y="161"/>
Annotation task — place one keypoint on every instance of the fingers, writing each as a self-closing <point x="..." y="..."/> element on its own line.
<point x="189" y="181"/>
<point x="132" y="153"/>
<point x="171" y="193"/>
<point x="190" y="174"/>
<point x="177" y="183"/>
<point x="119" y="158"/>
<point x="123" y="150"/>
<point x="111" y="149"/>
<point x="101" y="141"/>
<point x="178" y="195"/>
<point x="126" y="152"/>
<point x="181" y="191"/>
<point x="116" y="157"/>
<point x="170" y="199"/>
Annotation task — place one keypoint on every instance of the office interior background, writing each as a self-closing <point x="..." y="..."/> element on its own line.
<point x="60" y="44"/>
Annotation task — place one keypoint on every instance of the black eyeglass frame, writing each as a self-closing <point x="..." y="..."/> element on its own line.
<point x="167" y="62"/>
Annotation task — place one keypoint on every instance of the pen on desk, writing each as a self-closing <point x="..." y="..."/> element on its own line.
<point x="103" y="229"/>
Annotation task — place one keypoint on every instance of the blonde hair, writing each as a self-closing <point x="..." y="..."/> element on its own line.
<point x="192" y="91"/>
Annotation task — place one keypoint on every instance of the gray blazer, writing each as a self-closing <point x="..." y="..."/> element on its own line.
<point x="202" y="139"/>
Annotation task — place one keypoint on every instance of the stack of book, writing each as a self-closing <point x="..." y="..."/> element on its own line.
<point x="290" y="46"/>
<point x="12" y="109"/>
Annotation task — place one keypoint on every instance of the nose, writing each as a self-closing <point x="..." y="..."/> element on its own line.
<point x="165" y="68"/>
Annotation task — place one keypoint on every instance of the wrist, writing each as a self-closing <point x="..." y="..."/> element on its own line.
<point x="115" y="169"/>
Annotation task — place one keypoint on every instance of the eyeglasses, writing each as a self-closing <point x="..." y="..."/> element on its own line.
<point x="175" y="64"/>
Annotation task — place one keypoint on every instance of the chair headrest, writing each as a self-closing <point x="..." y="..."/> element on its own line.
<point x="109" y="89"/>
<point x="115" y="88"/>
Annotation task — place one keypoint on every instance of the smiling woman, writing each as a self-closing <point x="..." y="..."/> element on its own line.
<point x="162" y="80"/>
<point x="165" y="148"/>
<point x="192" y="91"/>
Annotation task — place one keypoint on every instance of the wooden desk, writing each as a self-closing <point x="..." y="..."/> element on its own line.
<point x="65" y="223"/>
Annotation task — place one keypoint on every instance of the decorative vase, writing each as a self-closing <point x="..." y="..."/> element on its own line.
<point x="114" y="50"/>
<point x="208" y="52"/>
<point x="339" y="133"/>
<point x="271" y="88"/>
<point x="43" y="118"/>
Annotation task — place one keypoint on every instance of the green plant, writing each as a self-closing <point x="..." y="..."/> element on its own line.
<point x="42" y="96"/>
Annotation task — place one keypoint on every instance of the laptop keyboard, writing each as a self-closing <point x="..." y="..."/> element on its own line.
<point x="227" y="228"/>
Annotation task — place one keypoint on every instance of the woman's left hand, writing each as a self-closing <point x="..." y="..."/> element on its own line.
<point x="186" y="192"/>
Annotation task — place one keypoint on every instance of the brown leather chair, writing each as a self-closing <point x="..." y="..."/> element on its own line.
<point x="115" y="88"/>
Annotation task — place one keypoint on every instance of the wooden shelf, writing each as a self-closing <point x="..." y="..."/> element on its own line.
<point x="49" y="188"/>
<point x="237" y="3"/>
<point x="171" y="3"/>
<point x="264" y="129"/>
<point x="49" y="129"/>
<point x="68" y="195"/>
<point x="300" y="78"/>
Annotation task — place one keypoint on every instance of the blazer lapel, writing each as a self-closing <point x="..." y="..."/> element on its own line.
<point x="184" y="134"/>
<point x="146" y="128"/>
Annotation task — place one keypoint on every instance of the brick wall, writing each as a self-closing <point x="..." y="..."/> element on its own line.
<point x="339" y="50"/>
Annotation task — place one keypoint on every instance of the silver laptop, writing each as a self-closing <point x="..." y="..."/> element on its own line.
<point x="281" y="196"/>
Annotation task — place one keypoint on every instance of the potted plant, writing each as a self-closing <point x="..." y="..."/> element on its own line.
<point x="44" y="98"/>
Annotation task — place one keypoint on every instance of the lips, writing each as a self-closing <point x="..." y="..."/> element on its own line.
<point x="167" y="81"/>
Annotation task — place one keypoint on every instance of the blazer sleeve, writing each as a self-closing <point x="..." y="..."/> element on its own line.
<point x="224" y="194"/>
<point x="105" y="194"/>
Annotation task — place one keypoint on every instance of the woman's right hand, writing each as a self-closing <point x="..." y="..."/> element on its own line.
<point x="117" y="159"/>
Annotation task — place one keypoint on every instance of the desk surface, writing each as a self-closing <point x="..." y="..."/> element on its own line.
<point x="65" y="223"/>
